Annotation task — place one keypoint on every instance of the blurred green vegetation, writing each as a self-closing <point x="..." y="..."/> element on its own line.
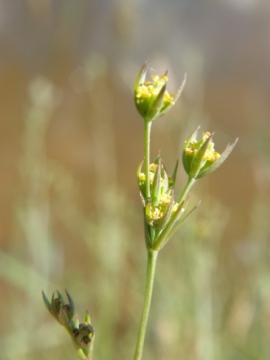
<point x="70" y="210"/>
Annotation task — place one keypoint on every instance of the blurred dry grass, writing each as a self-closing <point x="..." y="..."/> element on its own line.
<point x="70" y="144"/>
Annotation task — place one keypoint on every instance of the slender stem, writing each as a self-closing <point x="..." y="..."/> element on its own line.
<point x="151" y="266"/>
<point x="186" y="190"/>
<point x="147" y="131"/>
<point x="152" y="254"/>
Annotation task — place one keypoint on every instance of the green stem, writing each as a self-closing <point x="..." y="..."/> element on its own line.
<point x="147" y="131"/>
<point x="150" y="275"/>
<point x="186" y="190"/>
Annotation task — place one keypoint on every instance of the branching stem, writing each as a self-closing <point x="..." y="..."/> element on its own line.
<point x="186" y="190"/>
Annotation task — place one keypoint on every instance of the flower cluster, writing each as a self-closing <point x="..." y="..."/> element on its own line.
<point x="151" y="97"/>
<point x="82" y="333"/>
<point x="200" y="157"/>
<point x="162" y="213"/>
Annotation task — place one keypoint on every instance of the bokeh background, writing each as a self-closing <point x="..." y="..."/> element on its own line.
<point x="70" y="143"/>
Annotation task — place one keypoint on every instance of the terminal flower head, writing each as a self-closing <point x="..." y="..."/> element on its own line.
<point x="151" y="98"/>
<point x="200" y="157"/>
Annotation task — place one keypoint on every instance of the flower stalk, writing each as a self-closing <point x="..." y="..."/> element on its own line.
<point x="150" y="275"/>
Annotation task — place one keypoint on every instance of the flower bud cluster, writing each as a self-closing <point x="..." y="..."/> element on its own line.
<point x="162" y="213"/>
<point x="151" y="97"/>
<point x="82" y="333"/>
<point x="200" y="157"/>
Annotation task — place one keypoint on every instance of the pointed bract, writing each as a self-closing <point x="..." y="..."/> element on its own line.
<point x="155" y="189"/>
<point x="200" y="158"/>
<point x="46" y="301"/>
<point x="172" y="178"/>
<point x="219" y="161"/>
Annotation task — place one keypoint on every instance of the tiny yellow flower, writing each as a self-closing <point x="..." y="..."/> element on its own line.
<point x="142" y="177"/>
<point x="165" y="199"/>
<point x="175" y="207"/>
<point x="193" y="146"/>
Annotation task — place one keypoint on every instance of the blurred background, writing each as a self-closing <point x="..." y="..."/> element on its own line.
<point x="70" y="143"/>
